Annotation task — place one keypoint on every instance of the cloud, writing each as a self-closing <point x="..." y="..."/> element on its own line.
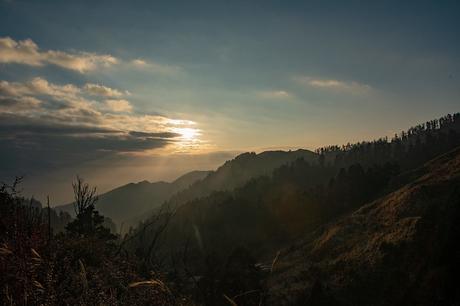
<point x="168" y="70"/>
<point x="74" y="140"/>
<point x="45" y="125"/>
<point x="67" y="95"/>
<point x="275" y="94"/>
<point x="13" y="124"/>
<point x="119" y="105"/>
<point x="101" y="90"/>
<point x="40" y="86"/>
<point x="139" y="63"/>
<point x="18" y="104"/>
<point x="27" y="52"/>
<point x="63" y="95"/>
<point x="333" y="85"/>
<point x="67" y="103"/>
<point x="22" y="52"/>
<point x="52" y="96"/>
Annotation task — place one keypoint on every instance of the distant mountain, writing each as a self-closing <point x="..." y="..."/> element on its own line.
<point x="401" y="249"/>
<point x="130" y="201"/>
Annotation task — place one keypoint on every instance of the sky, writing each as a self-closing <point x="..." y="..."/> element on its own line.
<point x="123" y="91"/>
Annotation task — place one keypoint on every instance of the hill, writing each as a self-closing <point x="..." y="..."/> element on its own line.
<point x="126" y="203"/>
<point x="398" y="250"/>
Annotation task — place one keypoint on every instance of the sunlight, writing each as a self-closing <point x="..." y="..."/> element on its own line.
<point x="189" y="140"/>
<point x="188" y="134"/>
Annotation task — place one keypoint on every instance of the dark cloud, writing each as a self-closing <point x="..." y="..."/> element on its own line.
<point x="30" y="145"/>
<point x="81" y="116"/>
<point x="18" y="103"/>
<point x="11" y="125"/>
<point x="154" y="135"/>
<point x="8" y="101"/>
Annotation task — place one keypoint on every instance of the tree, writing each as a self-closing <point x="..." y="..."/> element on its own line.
<point x="88" y="221"/>
<point x="84" y="196"/>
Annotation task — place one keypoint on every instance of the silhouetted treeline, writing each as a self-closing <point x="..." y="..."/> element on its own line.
<point x="408" y="148"/>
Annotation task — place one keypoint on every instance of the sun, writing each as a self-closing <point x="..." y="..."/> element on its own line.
<point x="188" y="134"/>
<point x="187" y="140"/>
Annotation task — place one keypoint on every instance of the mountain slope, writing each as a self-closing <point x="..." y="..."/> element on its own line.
<point x="398" y="250"/>
<point x="127" y="202"/>
<point x="238" y="171"/>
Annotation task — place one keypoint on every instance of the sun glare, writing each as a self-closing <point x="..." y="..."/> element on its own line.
<point x="188" y="134"/>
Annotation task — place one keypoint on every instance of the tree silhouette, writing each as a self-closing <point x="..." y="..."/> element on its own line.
<point x="88" y="221"/>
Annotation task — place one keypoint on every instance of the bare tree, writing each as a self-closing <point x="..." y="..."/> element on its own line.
<point x="84" y="195"/>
